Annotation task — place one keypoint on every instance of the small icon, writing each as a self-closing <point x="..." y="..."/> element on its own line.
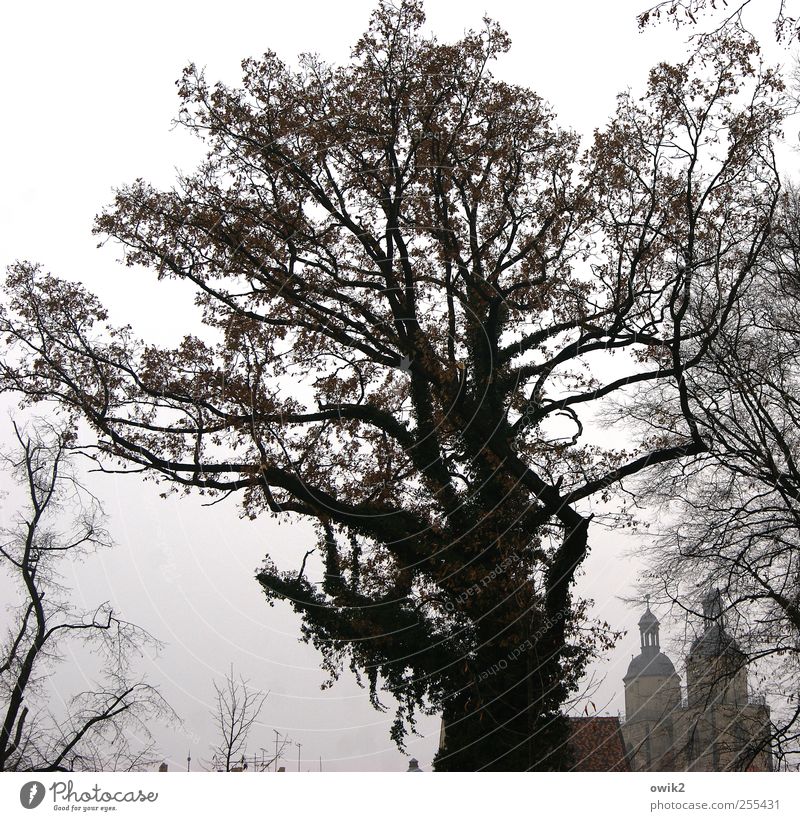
<point x="31" y="794"/>
<point x="405" y="363"/>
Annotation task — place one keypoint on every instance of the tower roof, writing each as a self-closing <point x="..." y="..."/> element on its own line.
<point x="712" y="605"/>
<point x="648" y="619"/>
<point x="714" y="640"/>
<point x="647" y="664"/>
<point x="651" y="661"/>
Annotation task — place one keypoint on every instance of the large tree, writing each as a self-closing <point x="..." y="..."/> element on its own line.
<point x="415" y="289"/>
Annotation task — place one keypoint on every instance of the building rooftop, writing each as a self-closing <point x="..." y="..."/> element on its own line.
<point x="597" y="745"/>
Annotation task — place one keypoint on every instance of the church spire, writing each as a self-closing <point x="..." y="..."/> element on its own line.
<point x="712" y="608"/>
<point x="714" y="639"/>
<point x="648" y="630"/>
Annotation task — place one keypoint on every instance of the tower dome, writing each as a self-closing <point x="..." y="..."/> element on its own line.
<point x="651" y="661"/>
<point x="652" y="687"/>
<point x="647" y="664"/>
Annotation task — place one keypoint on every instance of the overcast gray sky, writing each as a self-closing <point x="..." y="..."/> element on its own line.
<point x="88" y="97"/>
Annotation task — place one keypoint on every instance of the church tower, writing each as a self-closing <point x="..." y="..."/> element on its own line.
<point x="652" y="695"/>
<point x="723" y="727"/>
<point x="720" y="727"/>
<point x="716" y="671"/>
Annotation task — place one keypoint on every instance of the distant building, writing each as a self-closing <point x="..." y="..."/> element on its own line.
<point x="718" y="727"/>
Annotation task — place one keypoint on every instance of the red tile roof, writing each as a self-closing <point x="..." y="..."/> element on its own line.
<point x="597" y="744"/>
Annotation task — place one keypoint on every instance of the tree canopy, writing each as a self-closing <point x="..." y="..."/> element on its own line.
<point x="724" y="16"/>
